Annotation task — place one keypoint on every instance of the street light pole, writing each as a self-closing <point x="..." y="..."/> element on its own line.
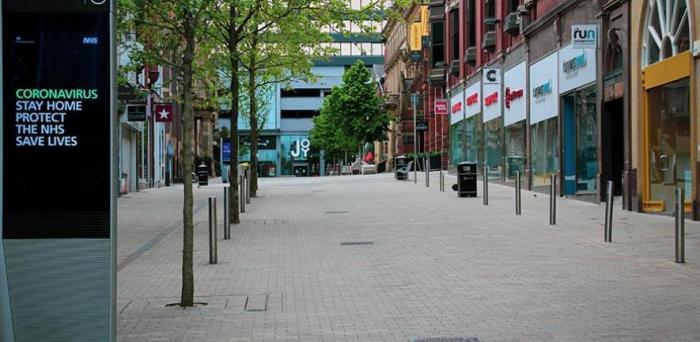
<point x="414" y="102"/>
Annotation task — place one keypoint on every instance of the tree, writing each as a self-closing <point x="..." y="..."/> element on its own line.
<point x="168" y="33"/>
<point x="352" y="115"/>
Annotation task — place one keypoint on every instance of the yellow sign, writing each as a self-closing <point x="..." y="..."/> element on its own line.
<point x="415" y="36"/>
<point x="424" y="17"/>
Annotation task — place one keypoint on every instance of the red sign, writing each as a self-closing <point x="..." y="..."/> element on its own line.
<point x="456" y="107"/>
<point x="491" y="99"/>
<point x="163" y="112"/>
<point x="472" y="99"/>
<point x="441" y="106"/>
<point x="512" y="95"/>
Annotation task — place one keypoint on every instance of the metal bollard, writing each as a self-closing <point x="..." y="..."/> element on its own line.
<point x="212" y="230"/>
<point x="427" y="172"/>
<point x="553" y="199"/>
<point x="622" y="191"/>
<point x="442" y="181"/>
<point x="485" y="175"/>
<point x="609" y="211"/>
<point x="517" y="193"/>
<point x="415" y="170"/>
<point x="241" y="193"/>
<point x="227" y="226"/>
<point x="680" y="226"/>
<point x="248" y="181"/>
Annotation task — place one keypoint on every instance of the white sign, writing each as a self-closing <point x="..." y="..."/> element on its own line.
<point x="457" y="107"/>
<point x="514" y="92"/>
<point x="492" y="76"/>
<point x="584" y="36"/>
<point x="544" y="89"/>
<point x="300" y="147"/>
<point x="491" y="94"/>
<point x="576" y="68"/>
<point x="472" y="100"/>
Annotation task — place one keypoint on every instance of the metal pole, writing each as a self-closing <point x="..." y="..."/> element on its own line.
<point x="609" y="211"/>
<point x="517" y="193"/>
<point x="442" y="181"/>
<point x="427" y="171"/>
<point x="227" y="226"/>
<point x="414" y="99"/>
<point x="216" y="233"/>
<point x="248" y="181"/>
<point x="622" y="191"/>
<point x="241" y="193"/>
<point x="485" y="176"/>
<point x="212" y="236"/>
<point x="553" y="199"/>
<point x="680" y="226"/>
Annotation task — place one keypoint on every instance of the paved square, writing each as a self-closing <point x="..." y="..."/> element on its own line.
<point x="368" y="258"/>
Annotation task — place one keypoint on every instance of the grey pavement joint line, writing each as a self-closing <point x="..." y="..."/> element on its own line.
<point x="154" y="240"/>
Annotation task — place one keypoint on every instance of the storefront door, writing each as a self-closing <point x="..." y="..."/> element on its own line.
<point x="569" y="144"/>
<point x="669" y="142"/>
<point x="668" y="136"/>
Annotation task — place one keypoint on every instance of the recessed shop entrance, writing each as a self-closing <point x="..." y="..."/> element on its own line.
<point x="613" y="145"/>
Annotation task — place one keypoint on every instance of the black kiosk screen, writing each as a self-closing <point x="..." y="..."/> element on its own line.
<point x="56" y="116"/>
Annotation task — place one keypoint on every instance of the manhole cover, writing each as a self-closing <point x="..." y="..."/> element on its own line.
<point x="447" y="339"/>
<point x="356" y="243"/>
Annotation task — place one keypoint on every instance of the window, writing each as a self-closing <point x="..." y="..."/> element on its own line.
<point x="471" y="9"/>
<point x="514" y="5"/>
<point x="454" y="34"/>
<point x="301" y="92"/>
<point x="437" y="32"/>
<point x="298" y="114"/>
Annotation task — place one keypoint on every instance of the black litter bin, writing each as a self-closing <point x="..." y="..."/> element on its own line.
<point x="466" y="179"/>
<point x="399" y="163"/>
<point x="203" y="174"/>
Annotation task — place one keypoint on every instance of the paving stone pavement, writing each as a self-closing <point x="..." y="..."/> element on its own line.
<point x="368" y="258"/>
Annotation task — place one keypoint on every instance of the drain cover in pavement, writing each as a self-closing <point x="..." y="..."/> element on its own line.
<point x="447" y="339"/>
<point x="256" y="303"/>
<point x="336" y="212"/>
<point x="356" y="243"/>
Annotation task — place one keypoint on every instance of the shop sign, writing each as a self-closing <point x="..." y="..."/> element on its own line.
<point x="492" y="94"/>
<point x="473" y="94"/>
<point x="164" y="112"/>
<point x="544" y="102"/>
<point x="514" y="81"/>
<point x="265" y="142"/>
<point x="457" y="107"/>
<point x="136" y="113"/>
<point x="441" y="106"/>
<point x="584" y="36"/>
<point x="492" y="76"/>
<point x="300" y="148"/>
<point x="421" y="126"/>
<point x="576" y="68"/>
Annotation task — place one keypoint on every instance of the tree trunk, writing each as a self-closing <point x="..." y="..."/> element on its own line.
<point x="253" y="121"/>
<point x="234" y="205"/>
<point x="187" y="294"/>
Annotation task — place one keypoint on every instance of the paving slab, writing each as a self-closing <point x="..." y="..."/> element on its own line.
<point x="437" y="266"/>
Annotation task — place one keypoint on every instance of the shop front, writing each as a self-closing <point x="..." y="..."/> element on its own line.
<point x="493" y="122"/>
<point x="298" y="157"/>
<point x="514" y="114"/>
<point x="472" y="124"/>
<point x="667" y="111"/>
<point x="544" y="114"/>
<point x="577" y="88"/>
<point x="458" y="138"/>
<point x="267" y="154"/>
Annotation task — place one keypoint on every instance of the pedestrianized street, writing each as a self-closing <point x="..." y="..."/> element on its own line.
<point x="369" y="258"/>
